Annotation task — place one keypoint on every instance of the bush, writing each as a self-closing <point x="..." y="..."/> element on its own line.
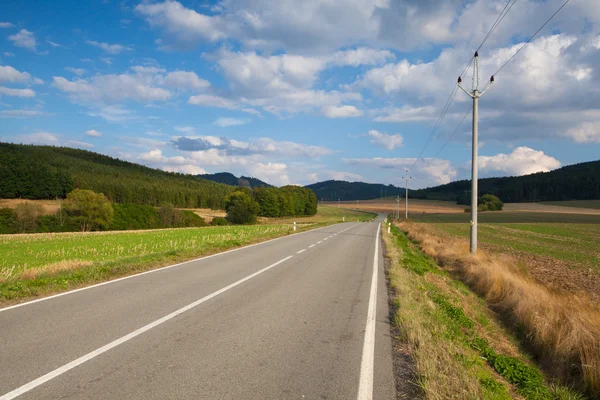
<point x="134" y="216"/>
<point x="90" y="209"/>
<point x="218" y="221"/>
<point x="241" y="208"/>
<point x="187" y="218"/>
<point x="26" y="216"/>
<point x="8" y="222"/>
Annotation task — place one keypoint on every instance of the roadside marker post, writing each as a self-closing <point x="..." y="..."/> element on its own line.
<point x="294" y="226"/>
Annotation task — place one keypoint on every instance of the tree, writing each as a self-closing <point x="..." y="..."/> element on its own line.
<point x="26" y="216"/>
<point x="166" y="213"/>
<point x="241" y="207"/>
<point x="489" y="202"/>
<point x="90" y="209"/>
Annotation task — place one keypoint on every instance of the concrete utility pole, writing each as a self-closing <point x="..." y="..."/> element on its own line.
<point x="475" y="95"/>
<point x="406" y="178"/>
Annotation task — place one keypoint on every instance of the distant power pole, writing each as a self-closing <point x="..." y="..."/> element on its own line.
<point x="406" y="178"/>
<point x="475" y="95"/>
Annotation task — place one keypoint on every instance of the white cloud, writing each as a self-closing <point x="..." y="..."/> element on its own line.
<point x="113" y="114"/>
<point x="586" y="132"/>
<point x="9" y="74"/>
<point x="272" y="173"/>
<point x="186" y="25"/>
<point x="407" y="114"/>
<point x="225" y="122"/>
<point x="385" y="140"/>
<point x="16" y="92"/>
<point x="21" y="113"/>
<point x="53" y="44"/>
<point x="211" y="101"/>
<point x="344" y="176"/>
<point x="185" y="80"/>
<point x="52" y="139"/>
<point x="6" y="25"/>
<point x="76" y="71"/>
<point x="109" y="48"/>
<point x="93" y="133"/>
<point x="341" y="111"/>
<point x="24" y="38"/>
<point x="9" y="54"/>
<point x="190" y="130"/>
<point x="522" y="161"/>
<point x="426" y="172"/>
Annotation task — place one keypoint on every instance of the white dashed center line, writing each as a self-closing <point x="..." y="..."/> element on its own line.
<point x="301" y="251"/>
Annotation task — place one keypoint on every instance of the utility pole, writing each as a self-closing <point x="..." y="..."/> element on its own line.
<point x="406" y="178"/>
<point x="475" y="95"/>
<point x="397" y="211"/>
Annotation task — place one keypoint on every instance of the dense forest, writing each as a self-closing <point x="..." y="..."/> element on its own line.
<point x="573" y="182"/>
<point x="47" y="172"/>
<point x="342" y="190"/>
<point x="230" y="179"/>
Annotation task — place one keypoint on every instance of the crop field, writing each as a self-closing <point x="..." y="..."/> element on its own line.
<point x="388" y="205"/>
<point x="325" y="214"/>
<point x="559" y="250"/>
<point x="594" y="204"/>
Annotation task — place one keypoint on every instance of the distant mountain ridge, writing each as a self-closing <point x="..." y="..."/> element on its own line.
<point x="230" y="179"/>
<point x="572" y="182"/>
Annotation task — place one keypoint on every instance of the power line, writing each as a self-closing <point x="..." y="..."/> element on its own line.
<point x="450" y="99"/>
<point x="530" y="39"/>
<point x="450" y="137"/>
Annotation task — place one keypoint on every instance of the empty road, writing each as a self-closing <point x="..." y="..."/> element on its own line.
<point x="301" y="317"/>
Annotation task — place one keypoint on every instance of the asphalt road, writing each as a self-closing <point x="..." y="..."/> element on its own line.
<point x="284" y="319"/>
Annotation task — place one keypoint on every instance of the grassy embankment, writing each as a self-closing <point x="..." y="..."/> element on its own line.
<point x="562" y="331"/>
<point x="39" y="264"/>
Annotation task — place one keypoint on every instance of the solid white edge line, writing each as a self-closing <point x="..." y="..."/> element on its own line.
<point x="365" y="385"/>
<point x="61" y="370"/>
<point x="156" y="270"/>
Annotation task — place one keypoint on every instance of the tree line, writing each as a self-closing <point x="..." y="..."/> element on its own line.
<point x="48" y="172"/>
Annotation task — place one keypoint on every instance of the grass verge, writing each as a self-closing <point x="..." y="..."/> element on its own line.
<point x="563" y="332"/>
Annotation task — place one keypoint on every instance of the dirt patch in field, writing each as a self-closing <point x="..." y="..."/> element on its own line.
<point x="49" y="206"/>
<point x="206" y="213"/>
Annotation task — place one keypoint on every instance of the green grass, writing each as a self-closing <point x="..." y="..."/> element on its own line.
<point x="326" y="214"/>
<point x="509" y="217"/>
<point x="595" y="204"/>
<point x="576" y="244"/>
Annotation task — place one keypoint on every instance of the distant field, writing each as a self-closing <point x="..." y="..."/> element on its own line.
<point x="594" y="204"/>
<point x="388" y="205"/>
<point x="49" y="206"/>
<point x="510" y="217"/>
<point x="325" y="214"/>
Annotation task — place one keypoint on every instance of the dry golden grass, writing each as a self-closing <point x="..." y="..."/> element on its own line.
<point x="563" y="330"/>
<point x="49" y="206"/>
<point x="63" y="265"/>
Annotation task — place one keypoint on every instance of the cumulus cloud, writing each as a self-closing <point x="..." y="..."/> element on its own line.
<point x="225" y="122"/>
<point x="426" y="172"/>
<point x="341" y="111"/>
<point x="260" y="146"/>
<point x="11" y="75"/>
<point x="16" y="92"/>
<point x="21" y="113"/>
<point x="93" y="133"/>
<point x="6" y="25"/>
<point x="185" y="80"/>
<point x="273" y="173"/>
<point x="385" y="140"/>
<point x="181" y="164"/>
<point x="52" y="139"/>
<point x="109" y="48"/>
<point x="76" y="71"/>
<point x="24" y="39"/>
<point x="522" y="161"/>
<point x="586" y="132"/>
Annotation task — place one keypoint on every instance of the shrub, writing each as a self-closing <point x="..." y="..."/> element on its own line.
<point x="241" y="208"/>
<point x="8" y="222"/>
<point x="134" y="216"/>
<point x="26" y="215"/>
<point x="218" y="221"/>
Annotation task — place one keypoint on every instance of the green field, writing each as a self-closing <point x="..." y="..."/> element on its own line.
<point x="595" y="204"/>
<point x="36" y="264"/>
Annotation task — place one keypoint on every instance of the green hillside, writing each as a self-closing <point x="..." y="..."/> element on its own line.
<point x="342" y="190"/>
<point x="572" y="182"/>
<point x="47" y="172"/>
<point x="230" y="179"/>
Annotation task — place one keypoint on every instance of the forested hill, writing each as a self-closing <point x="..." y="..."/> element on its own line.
<point x="572" y="182"/>
<point x="230" y="179"/>
<point x="47" y="172"/>
<point x="342" y="190"/>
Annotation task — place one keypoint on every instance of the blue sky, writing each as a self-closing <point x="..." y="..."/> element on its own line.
<point x="298" y="92"/>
